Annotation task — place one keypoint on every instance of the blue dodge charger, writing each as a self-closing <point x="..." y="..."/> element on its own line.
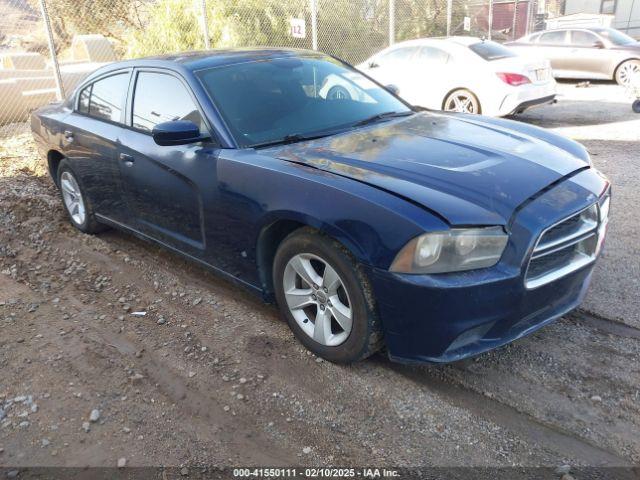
<point x="371" y="223"/>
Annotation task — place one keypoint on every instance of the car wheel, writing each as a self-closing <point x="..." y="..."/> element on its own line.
<point x="627" y="71"/>
<point x="325" y="297"/>
<point x="338" y="93"/>
<point x="462" y="101"/>
<point x="75" y="202"/>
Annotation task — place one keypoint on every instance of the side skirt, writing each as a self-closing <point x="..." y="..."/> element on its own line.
<point x="217" y="271"/>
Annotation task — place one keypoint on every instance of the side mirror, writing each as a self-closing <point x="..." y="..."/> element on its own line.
<point x="598" y="44"/>
<point x="393" y="89"/>
<point x="179" y="132"/>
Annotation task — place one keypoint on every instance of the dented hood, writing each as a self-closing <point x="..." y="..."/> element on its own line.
<point x="470" y="170"/>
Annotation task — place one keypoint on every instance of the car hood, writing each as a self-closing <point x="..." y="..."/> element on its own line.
<point x="467" y="169"/>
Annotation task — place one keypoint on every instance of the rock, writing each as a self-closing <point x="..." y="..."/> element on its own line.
<point x="2" y="414"/>
<point x="94" y="416"/>
<point x="45" y="442"/>
<point x="126" y="430"/>
<point x="240" y="396"/>
<point x="136" y="378"/>
<point x="161" y="321"/>
<point x="122" y="462"/>
<point x="197" y="301"/>
<point x="562" y="469"/>
<point x="86" y="426"/>
<point x="306" y="450"/>
<point x="566" y="476"/>
<point x="596" y="398"/>
<point x="12" y="473"/>
<point x="192" y="374"/>
<point x="226" y="408"/>
<point x="243" y="380"/>
<point x="184" y="471"/>
<point x="24" y="424"/>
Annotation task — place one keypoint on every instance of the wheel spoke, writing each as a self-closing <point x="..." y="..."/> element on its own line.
<point x="305" y="270"/>
<point x="330" y="279"/>
<point x="322" y="326"/>
<point x="341" y="313"/>
<point x="299" y="298"/>
<point x="67" y="187"/>
<point x="458" y="104"/>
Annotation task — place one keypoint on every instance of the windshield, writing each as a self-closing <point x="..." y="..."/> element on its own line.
<point x="491" y="50"/>
<point x="615" y="36"/>
<point x="272" y="100"/>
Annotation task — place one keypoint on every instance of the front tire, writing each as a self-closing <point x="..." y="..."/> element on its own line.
<point x="461" y="100"/>
<point x="76" y="203"/>
<point x="325" y="297"/>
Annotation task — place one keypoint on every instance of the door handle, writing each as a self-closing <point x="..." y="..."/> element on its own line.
<point x="68" y="135"/>
<point x="126" y="159"/>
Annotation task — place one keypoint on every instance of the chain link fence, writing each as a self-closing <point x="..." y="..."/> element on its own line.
<point x="48" y="46"/>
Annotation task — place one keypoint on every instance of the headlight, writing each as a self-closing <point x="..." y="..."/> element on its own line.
<point x="451" y="251"/>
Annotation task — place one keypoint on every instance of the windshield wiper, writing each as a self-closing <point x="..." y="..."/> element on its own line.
<point x="381" y="116"/>
<point x="292" y="138"/>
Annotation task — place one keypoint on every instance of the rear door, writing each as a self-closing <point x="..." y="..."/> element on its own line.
<point x="553" y="45"/>
<point x="92" y="139"/>
<point x="167" y="186"/>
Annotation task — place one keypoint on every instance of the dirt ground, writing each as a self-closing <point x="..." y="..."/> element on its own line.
<point x="212" y="376"/>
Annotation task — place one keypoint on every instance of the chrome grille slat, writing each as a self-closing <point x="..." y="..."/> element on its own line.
<point x="566" y="246"/>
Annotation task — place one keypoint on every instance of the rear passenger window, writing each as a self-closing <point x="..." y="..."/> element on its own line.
<point x="160" y="97"/>
<point x="83" y="103"/>
<point x="104" y="99"/>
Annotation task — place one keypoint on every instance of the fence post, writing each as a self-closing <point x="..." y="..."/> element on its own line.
<point x="392" y="22"/>
<point x="449" y="12"/>
<point x="52" y="51"/>
<point x="314" y="24"/>
<point x="515" y="18"/>
<point x="205" y="26"/>
<point x="490" y="19"/>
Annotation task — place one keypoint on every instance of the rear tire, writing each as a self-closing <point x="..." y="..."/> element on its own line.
<point x="331" y="312"/>
<point x="75" y="202"/>
<point x="626" y="72"/>
<point x="463" y="101"/>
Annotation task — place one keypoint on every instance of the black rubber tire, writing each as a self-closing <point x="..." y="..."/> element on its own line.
<point x="90" y="225"/>
<point x="366" y="333"/>
<point x="635" y="106"/>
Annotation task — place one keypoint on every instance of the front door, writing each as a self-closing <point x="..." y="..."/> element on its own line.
<point x="588" y="55"/>
<point x="167" y="186"/>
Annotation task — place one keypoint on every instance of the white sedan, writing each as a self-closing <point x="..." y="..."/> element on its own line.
<point x="462" y="74"/>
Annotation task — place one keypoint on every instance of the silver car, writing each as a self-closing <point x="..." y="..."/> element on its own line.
<point x="585" y="53"/>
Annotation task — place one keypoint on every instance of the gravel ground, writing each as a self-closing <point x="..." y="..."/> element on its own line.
<point x="211" y="376"/>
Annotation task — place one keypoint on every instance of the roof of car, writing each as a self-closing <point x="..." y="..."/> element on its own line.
<point x="213" y="58"/>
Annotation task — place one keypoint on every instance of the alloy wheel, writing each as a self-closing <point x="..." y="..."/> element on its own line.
<point x="317" y="299"/>
<point x="462" y="102"/>
<point x="72" y="197"/>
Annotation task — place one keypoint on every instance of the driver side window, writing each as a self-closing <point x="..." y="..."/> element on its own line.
<point x="160" y="97"/>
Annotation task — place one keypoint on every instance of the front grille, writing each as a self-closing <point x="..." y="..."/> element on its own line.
<point x="568" y="245"/>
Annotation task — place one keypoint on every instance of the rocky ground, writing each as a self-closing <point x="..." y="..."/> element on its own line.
<point x="211" y="376"/>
